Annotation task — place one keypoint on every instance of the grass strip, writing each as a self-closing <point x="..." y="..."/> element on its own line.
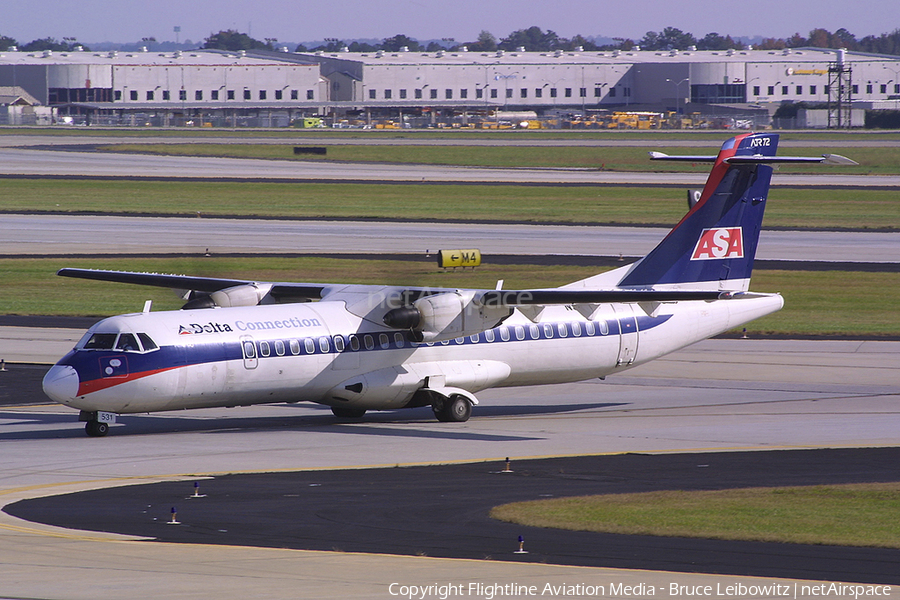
<point x="788" y="207"/>
<point x="871" y="160"/>
<point x="844" y="515"/>
<point x="816" y="302"/>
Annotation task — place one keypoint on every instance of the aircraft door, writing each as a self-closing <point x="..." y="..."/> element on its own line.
<point x="248" y="349"/>
<point x="628" y="334"/>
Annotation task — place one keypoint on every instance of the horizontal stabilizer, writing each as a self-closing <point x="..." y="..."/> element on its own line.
<point x="825" y="159"/>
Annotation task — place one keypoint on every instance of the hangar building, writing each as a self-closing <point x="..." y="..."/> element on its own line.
<point x="273" y="88"/>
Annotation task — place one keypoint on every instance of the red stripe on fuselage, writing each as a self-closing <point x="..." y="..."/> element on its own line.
<point x="95" y="385"/>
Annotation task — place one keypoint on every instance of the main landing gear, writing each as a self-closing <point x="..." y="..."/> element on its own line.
<point x="348" y="413"/>
<point x="455" y="409"/>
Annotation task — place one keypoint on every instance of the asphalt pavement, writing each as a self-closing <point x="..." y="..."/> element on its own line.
<point x="442" y="511"/>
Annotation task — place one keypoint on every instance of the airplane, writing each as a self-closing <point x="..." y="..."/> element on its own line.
<point x="358" y="348"/>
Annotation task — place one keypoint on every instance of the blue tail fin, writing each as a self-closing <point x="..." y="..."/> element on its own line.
<point x="714" y="245"/>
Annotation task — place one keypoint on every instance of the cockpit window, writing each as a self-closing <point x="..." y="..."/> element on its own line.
<point x="128" y="343"/>
<point x="101" y="341"/>
<point x="124" y="342"/>
<point x="147" y="342"/>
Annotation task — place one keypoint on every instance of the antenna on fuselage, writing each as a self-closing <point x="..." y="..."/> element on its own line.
<point x="147" y="305"/>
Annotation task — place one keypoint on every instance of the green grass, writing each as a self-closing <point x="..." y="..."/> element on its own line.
<point x="791" y="208"/>
<point x="871" y="160"/>
<point x="845" y="515"/>
<point x="816" y="303"/>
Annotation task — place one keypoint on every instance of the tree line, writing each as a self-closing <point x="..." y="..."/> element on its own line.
<point x="533" y="39"/>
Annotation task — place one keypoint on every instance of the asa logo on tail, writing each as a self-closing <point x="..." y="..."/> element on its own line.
<point x="719" y="243"/>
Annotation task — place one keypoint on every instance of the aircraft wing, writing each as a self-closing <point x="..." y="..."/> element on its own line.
<point x="206" y="285"/>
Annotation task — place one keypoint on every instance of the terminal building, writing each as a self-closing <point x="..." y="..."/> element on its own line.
<point x="271" y="89"/>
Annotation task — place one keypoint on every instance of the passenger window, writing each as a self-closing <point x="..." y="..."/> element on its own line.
<point x="354" y="343"/>
<point x="589" y="327"/>
<point x="548" y="330"/>
<point x="324" y="346"/>
<point x="147" y="342"/>
<point x="127" y="343"/>
<point x="561" y="327"/>
<point x="101" y="341"/>
<point x="249" y="350"/>
<point x="310" y="346"/>
<point x="279" y="347"/>
<point x="489" y="335"/>
<point x="504" y="334"/>
<point x="295" y="347"/>
<point x="520" y="332"/>
<point x="576" y="328"/>
<point x="474" y="338"/>
<point x="338" y="343"/>
<point x="385" y="341"/>
<point x="370" y="343"/>
<point x="534" y="331"/>
<point x="460" y="341"/>
<point x="264" y="349"/>
<point x="398" y="340"/>
<point x="604" y="328"/>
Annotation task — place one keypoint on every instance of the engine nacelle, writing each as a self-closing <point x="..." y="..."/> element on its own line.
<point x="241" y="295"/>
<point x="446" y="316"/>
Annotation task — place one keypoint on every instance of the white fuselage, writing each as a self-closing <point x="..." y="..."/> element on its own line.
<point x="320" y="352"/>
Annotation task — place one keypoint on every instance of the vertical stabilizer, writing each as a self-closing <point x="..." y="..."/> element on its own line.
<point x="714" y="245"/>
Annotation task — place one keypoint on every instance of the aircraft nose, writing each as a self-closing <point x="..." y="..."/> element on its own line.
<point x="61" y="383"/>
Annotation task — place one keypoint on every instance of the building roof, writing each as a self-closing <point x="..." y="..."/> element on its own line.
<point x="594" y="57"/>
<point x="192" y="58"/>
<point x="15" y="95"/>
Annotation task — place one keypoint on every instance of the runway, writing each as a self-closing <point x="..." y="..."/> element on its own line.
<point x="77" y="234"/>
<point x="28" y="162"/>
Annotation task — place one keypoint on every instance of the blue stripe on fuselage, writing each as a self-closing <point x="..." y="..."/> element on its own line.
<point x="92" y="365"/>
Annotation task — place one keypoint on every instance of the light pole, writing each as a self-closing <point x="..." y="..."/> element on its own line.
<point x="677" y="110"/>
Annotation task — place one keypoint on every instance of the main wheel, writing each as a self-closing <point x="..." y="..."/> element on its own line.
<point x="348" y="413"/>
<point x="456" y="409"/>
<point x="96" y="429"/>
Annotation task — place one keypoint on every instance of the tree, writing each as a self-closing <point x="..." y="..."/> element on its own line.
<point x="394" y="44"/>
<point x="886" y="43"/>
<point x="844" y="39"/>
<point x="578" y="41"/>
<point x="714" y="41"/>
<point x="796" y="41"/>
<point x="771" y="44"/>
<point x="7" y="42"/>
<point x="362" y="47"/>
<point x="486" y="42"/>
<point x="49" y="43"/>
<point x="820" y="38"/>
<point x="331" y="45"/>
<point x="670" y="38"/>
<point x="532" y="39"/>
<point x="233" y="40"/>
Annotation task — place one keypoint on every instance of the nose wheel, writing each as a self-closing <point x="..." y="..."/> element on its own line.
<point x="96" y="428"/>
